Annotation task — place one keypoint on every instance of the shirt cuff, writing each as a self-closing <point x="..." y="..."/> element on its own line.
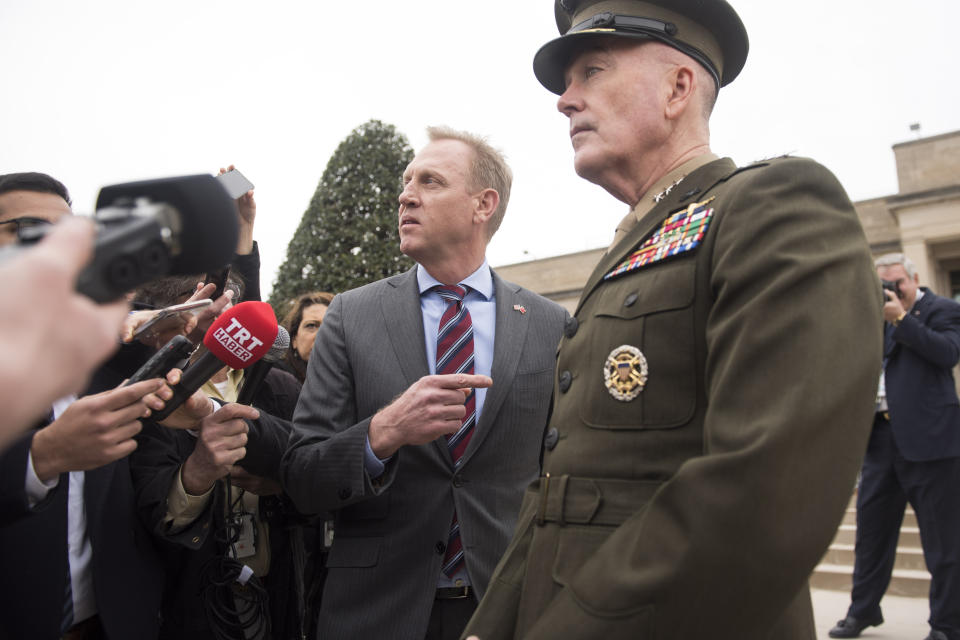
<point x="183" y="508"/>
<point x="373" y="465"/>
<point x="36" y="489"/>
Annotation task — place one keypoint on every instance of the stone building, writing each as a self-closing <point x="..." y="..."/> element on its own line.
<point x="922" y="220"/>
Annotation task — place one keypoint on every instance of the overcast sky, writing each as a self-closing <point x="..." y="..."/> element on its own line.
<point x="101" y="92"/>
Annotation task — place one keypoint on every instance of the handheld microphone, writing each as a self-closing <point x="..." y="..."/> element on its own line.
<point x="167" y="357"/>
<point x="237" y="339"/>
<point x="253" y="377"/>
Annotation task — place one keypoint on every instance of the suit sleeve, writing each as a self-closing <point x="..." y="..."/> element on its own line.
<point x="793" y="349"/>
<point x="938" y="340"/>
<point x="322" y="468"/>
<point x="268" y="439"/>
<point x="248" y="266"/>
<point x="154" y="468"/>
<point x="14" y="504"/>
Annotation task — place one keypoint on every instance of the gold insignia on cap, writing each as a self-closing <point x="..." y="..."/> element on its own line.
<point x="625" y="372"/>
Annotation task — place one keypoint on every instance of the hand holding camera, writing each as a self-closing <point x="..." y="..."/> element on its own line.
<point x="893" y="310"/>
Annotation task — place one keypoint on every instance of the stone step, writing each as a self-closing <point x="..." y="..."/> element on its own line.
<point x="907" y="557"/>
<point x="905" y="582"/>
<point x="909" y="518"/>
<point x="909" y="536"/>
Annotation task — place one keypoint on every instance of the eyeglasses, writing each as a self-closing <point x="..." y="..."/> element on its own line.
<point x="22" y="224"/>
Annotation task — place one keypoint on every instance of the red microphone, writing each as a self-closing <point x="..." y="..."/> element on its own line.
<point x="239" y="337"/>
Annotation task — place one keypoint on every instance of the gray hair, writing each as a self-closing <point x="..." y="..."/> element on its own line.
<point x="489" y="169"/>
<point x="890" y="259"/>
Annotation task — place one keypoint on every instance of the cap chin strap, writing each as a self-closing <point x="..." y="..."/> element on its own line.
<point x="656" y="29"/>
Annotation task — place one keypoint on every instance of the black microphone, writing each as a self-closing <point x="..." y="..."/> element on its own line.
<point x="254" y="376"/>
<point x="167" y="357"/>
<point x="237" y="339"/>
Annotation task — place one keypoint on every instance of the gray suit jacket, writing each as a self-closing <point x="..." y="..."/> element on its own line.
<point x="390" y="533"/>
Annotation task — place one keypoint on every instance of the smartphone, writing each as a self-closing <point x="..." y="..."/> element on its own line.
<point x="219" y="280"/>
<point x="154" y="323"/>
<point x="235" y="183"/>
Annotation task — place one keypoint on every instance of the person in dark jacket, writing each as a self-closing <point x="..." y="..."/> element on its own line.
<point x="913" y="455"/>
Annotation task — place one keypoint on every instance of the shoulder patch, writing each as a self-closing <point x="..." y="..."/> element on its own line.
<point x="682" y="231"/>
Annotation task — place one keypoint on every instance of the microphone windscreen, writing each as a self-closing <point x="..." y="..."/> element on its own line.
<point x="242" y="334"/>
<point x="280" y="346"/>
<point x="208" y="217"/>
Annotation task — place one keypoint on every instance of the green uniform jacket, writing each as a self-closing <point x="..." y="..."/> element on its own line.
<point x="699" y="508"/>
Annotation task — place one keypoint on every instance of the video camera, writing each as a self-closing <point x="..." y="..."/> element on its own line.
<point x="154" y="228"/>
<point x="891" y="286"/>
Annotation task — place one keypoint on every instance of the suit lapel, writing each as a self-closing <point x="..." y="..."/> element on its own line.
<point x="97" y="484"/>
<point x="403" y="320"/>
<point x="921" y="308"/>
<point x="509" y="337"/>
<point x="694" y="186"/>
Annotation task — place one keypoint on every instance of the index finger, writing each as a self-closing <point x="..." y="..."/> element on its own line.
<point x="204" y="291"/>
<point x="464" y="381"/>
<point x="131" y="394"/>
<point x="235" y="410"/>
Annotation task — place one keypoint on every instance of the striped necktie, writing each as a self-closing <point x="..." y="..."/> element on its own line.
<point x="455" y="355"/>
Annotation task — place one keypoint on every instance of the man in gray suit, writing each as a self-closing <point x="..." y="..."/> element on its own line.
<point x="422" y="464"/>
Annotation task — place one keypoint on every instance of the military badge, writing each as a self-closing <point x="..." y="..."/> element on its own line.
<point x="682" y="231"/>
<point x="625" y="372"/>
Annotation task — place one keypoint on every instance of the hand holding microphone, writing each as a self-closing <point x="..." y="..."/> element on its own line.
<point x="238" y="338"/>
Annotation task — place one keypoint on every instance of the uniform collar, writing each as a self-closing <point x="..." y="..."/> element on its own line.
<point x="655" y="193"/>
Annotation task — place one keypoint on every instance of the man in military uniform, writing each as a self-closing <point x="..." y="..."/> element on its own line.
<point x="715" y="389"/>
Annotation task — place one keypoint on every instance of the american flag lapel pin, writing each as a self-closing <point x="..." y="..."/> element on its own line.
<point x="520" y="308"/>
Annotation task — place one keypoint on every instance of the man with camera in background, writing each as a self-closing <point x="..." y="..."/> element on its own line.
<point x="913" y="454"/>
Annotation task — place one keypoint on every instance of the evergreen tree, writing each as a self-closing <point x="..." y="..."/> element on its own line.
<point x="348" y="235"/>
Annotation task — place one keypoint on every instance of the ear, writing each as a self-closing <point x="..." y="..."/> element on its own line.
<point x="680" y="92"/>
<point x="487" y="201"/>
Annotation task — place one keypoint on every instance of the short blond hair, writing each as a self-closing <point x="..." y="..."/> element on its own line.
<point x="489" y="169"/>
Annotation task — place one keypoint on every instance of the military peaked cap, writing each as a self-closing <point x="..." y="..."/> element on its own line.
<point x="709" y="31"/>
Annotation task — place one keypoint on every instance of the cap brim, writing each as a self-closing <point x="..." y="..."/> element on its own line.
<point x="550" y="62"/>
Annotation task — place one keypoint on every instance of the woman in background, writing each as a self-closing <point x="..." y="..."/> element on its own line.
<point x="302" y="322"/>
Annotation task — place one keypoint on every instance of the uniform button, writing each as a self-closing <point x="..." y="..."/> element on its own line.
<point x="345" y="493"/>
<point x="550" y="440"/>
<point x="441" y="547"/>
<point x="570" y="329"/>
<point x="196" y="539"/>
<point x="565" y="379"/>
<point x="630" y="299"/>
<point x="457" y="481"/>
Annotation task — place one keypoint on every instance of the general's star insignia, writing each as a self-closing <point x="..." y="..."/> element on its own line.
<point x="625" y="372"/>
